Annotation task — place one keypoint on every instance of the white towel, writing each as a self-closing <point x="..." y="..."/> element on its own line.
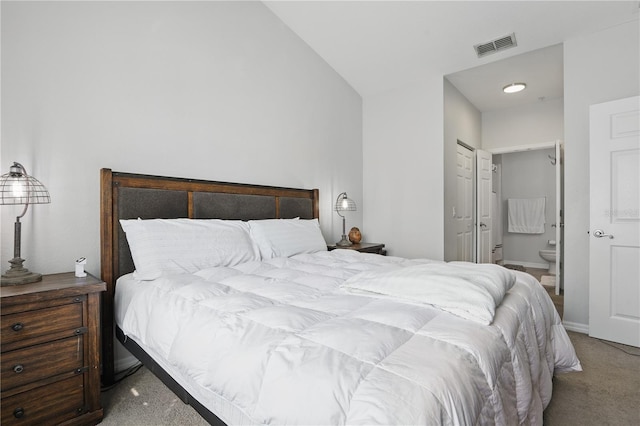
<point x="526" y="215"/>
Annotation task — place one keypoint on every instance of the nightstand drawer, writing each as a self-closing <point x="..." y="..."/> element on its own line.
<point x="50" y="404"/>
<point x="34" y="363"/>
<point x="50" y="361"/>
<point x="31" y="327"/>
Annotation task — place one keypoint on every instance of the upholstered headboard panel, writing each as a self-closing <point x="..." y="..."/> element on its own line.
<point x="131" y="196"/>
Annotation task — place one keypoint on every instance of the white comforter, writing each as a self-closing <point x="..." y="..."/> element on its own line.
<point x="468" y="290"/>
<point x="283" y="343"/>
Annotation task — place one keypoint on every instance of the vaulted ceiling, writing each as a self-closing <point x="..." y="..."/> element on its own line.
<point x="380" y="45"/>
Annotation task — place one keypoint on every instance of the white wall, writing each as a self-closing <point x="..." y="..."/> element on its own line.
<point x="599" y="67"/>
<point x="211" y="90"/>
<point x="462" y="122"/>
<point x="403" y="169"/>
<point x="538" y="123"/>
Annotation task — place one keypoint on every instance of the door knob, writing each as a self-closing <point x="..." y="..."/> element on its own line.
<point x="599" y="233"/>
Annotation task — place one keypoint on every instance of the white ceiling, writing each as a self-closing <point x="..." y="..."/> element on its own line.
<point x="541" y="70"/>
<point x="380" y="45"/>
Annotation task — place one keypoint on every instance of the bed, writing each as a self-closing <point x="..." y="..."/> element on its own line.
<point x="228" y="294"/>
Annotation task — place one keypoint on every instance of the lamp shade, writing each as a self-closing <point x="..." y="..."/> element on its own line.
<point x="17" y="187"/>
<point x="344" y="203"/>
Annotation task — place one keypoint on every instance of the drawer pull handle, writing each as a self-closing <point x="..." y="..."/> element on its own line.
<point x="17" y="326"/>
<point x="19" y="368"/>
<point x="18" y="413"/>
<point x="78" y="331"/>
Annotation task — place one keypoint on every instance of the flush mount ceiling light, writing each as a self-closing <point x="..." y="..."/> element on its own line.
<point x="514" y="87"/>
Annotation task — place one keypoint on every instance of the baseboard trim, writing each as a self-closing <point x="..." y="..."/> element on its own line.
<point x="576" y="326"/>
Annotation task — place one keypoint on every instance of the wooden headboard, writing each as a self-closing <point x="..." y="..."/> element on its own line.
<point x="130" y="196"/>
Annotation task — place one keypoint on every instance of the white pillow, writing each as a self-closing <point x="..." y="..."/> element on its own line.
<point x="287" y="237"/>
<point x="187" y="245"/>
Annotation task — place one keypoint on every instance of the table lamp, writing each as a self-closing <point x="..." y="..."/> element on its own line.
<point x="17" y="187"/>
<point x="343" y="204"/>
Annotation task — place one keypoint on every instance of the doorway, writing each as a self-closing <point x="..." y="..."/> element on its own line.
<point x="531" y="174"/>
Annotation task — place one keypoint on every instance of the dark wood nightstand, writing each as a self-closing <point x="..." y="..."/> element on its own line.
<point x="376" y="248"/>
<point x="50" y="361"/>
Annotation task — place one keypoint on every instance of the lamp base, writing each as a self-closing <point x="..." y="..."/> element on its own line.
<point x="18" y="274"/>
<point x="344" y="242"/>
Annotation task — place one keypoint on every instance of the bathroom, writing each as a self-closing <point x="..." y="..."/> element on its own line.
<point x="526" y="175"/>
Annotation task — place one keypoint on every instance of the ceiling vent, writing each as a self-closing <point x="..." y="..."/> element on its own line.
<point x="496" y="45"/>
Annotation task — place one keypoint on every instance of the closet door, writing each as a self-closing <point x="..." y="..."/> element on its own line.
<point x="463" y="211"/>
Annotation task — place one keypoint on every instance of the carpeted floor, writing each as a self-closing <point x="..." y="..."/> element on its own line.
<point x="143" y="400"/>
<point x="605" y="393"/>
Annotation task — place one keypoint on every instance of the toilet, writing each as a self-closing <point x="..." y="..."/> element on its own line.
<point x="550" y="257"/>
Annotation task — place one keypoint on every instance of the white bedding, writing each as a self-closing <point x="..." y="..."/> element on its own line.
<point x="281" y="342"/>
<point x="468" y="290"/>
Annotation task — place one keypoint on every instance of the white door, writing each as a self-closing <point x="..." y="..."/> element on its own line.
<point x="483" y="195"/>
<point x="463" y="211"/>
<point x="559" y="215"/>
<point x="614" y="248"/>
